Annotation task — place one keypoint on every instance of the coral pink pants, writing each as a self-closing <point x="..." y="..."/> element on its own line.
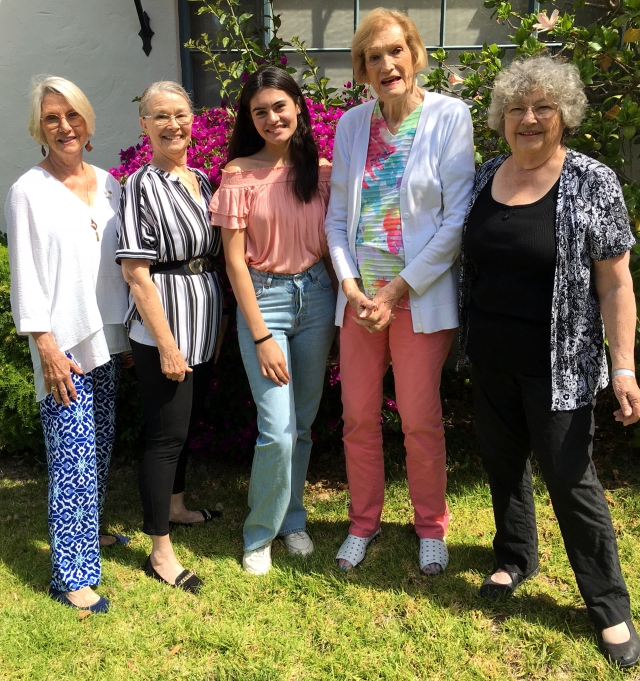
<point x="417" y="360"/>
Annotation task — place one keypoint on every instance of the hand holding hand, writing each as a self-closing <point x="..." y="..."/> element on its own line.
<point x="358" y="301"/>
<point x="272" y="362"/>
<point x="173" y="364"/>
<point x="628" y="394"/>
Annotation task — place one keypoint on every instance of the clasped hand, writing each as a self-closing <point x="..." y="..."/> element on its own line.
<point x="377" y="313"/>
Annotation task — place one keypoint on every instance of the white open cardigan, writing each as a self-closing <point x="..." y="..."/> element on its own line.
<point x="434" y="194"/>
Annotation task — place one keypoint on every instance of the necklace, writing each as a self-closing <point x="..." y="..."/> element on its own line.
<point x="52" y="171"/>
<point x="93" y="224"/>
<point x="193" y="183"/>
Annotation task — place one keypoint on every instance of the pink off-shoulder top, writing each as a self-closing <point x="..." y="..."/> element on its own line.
<point x="283" y="235"/>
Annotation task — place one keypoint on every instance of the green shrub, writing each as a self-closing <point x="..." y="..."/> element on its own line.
<point x="19" y="415"/>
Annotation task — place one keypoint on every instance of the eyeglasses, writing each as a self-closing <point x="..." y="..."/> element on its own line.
<point x="540" y="111"/>
<point x="53" y="122"/>
<point x="163" y="119"/>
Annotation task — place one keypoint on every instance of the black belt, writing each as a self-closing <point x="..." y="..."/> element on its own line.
<point x="199" y="265"/>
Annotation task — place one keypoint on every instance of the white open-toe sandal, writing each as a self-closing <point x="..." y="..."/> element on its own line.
<point x="354" y="548"/>
<point x="433" y="551"/>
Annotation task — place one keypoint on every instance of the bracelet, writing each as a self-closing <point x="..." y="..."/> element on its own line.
<point x="623" y="372"/>
<point x="262" y="340"/>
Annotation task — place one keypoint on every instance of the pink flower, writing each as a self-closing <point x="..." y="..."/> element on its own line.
<point x="284" y="60"/>
<point x="454" y="79"/>
<point x="334" y="375"/>
<point x="390" y="404"/>
<point x="546" y="23"/>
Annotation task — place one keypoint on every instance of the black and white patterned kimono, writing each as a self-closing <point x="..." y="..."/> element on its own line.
<point x="592" y="223"/>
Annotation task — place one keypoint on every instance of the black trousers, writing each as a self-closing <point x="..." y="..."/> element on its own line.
<point x="514" y="417"/>
<point x="170" y="409"/>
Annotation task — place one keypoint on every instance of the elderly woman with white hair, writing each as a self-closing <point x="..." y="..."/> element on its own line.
<point x="401" y="180"/>
<point x="68" y="296"/>
<point x="545" y="260"/>
<point x="167" y="250"/>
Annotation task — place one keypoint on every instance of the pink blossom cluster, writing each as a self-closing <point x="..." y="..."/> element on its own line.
<point x="210" y="135"/>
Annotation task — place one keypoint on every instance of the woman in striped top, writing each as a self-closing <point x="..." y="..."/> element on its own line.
<point x="166" y="248"/>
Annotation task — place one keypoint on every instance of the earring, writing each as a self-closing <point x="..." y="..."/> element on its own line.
<point x="88" y="146"/>
<point x="42" y="151"/>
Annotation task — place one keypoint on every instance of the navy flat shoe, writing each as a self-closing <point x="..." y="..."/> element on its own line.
<point x="119" y="539"/>
<point x="100" y="606"/>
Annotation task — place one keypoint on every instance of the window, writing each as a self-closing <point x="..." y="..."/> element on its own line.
<point x="327" y="26"/>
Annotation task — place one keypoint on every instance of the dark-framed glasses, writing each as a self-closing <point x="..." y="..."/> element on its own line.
<point x="540" y="111"/>
<point x="162" y="119"/>
<point x="53" y="122"/>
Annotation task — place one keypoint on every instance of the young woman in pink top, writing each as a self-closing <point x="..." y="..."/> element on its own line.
<point x="271" y="205"/>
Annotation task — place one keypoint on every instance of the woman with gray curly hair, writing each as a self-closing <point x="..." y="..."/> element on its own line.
<point x="545" y="260"/>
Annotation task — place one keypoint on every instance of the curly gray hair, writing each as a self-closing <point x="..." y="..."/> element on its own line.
<point x="558" y="80"/>
<point x="159" y="87"/>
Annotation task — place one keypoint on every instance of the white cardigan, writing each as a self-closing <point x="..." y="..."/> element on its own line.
<point x="62" y="279"/>
<point x="434" y="194"/>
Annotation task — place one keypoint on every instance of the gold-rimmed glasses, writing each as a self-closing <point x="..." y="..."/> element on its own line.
<point x="53" y="121"/>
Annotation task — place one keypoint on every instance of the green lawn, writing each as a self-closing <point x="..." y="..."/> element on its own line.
<point x="305" y="620"/>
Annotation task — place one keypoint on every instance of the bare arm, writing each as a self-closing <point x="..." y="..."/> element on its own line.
<point x="136" y="274"/>
<point x="618" y="306"/>
<point x="270" y="356"/>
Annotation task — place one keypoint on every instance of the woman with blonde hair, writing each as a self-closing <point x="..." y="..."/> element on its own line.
<point x="402" y="175"/>
<point x="68" y="296"/>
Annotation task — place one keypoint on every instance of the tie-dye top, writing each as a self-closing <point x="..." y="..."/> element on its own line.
<point x="379" y="246"/>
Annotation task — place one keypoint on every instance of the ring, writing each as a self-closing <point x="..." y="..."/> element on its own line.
<point x="54" y="389"/>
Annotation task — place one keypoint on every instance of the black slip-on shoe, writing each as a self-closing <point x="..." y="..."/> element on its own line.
<point x="494" y="591"/>
<point x="186" y="580"/>
<point x="623" y="655"/>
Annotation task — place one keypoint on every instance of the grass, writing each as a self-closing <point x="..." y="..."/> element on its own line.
<point x="305" y="620"/>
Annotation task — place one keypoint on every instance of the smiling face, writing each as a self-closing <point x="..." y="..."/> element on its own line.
<point x="168" y="124"/>
<point x="533" y="134"/>
<point x="64" y="129"/>
<point x="389" y="64"/>
<point x="275" y="115"/>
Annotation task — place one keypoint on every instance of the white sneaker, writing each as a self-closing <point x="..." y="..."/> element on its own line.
<point x="298" y="543"/>
<point x="258" y="561"/>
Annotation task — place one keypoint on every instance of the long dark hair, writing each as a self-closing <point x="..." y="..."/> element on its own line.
<point x="303" y="152"/>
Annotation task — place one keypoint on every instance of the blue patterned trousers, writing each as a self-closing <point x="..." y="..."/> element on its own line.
<point x="79" y="440"/>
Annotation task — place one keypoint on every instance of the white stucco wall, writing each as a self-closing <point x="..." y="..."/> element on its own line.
<point x="95" y="44"/>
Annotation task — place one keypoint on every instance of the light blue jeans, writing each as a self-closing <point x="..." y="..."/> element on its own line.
<point x="298" y="310"/>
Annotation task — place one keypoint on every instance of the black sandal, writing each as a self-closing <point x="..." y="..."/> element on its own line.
<point x="623" y="655"/>
<point x="494" y="591"/>
<point x="207" y="516"/>
<point x="186" y="580"/>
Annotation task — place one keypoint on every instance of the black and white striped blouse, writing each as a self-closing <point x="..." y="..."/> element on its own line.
<point x="160" y="221"/>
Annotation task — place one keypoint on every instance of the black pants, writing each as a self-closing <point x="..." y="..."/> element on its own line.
<point x="170" y="409"/>
<point x="514" y="417"/>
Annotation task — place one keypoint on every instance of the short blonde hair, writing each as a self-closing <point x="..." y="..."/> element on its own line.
<point x="558" y="80"/>
<point x="45" y="85"/>
<point x="160" y="87"/>
<point x="380" y="18"/>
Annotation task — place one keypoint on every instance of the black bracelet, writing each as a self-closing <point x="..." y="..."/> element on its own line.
<point x="262" y="340"/>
